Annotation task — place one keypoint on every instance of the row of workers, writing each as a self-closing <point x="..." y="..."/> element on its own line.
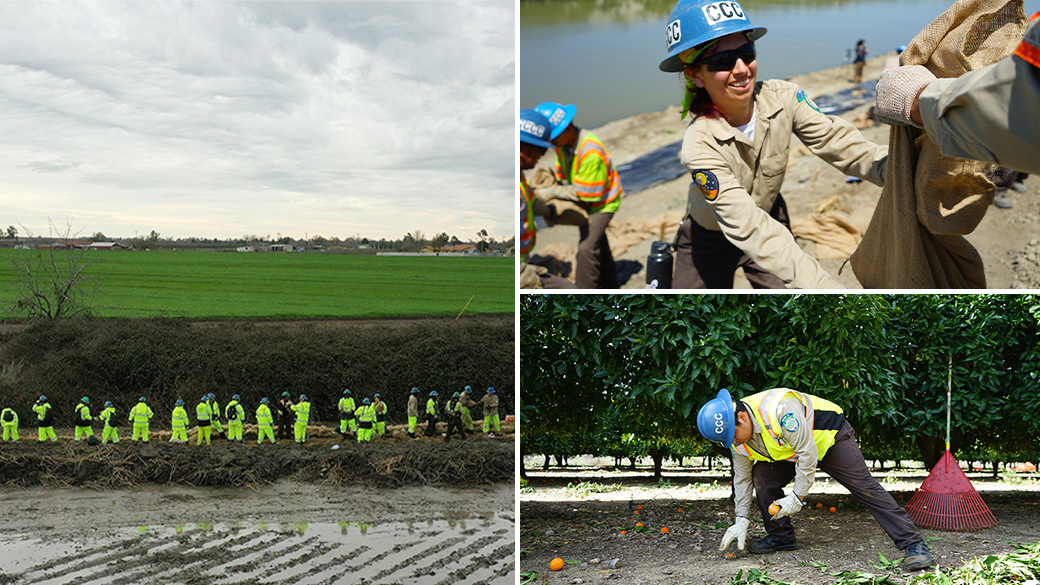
<point x="457" y="413"/>
<point x="364" y="422"/>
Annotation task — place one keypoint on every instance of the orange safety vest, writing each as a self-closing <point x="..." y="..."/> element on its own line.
<point x="592" y="174"/>
<point x="1031" y="53"/>
<point x="527" y="228"/>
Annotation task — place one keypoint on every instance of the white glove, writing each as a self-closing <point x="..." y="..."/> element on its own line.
<point x="897" y="90"/>
<point x="789" y="504"/>
<point x="737" y="531"/>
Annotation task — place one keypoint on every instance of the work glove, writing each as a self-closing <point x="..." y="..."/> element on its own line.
<point x="738" y="531"/>
<point x="789" y="504"/>
<point x="897" y="90"/>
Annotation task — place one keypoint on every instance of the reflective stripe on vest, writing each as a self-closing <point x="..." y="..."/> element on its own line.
<point x="140" y="414"/>
<point x="108" y="415"/>
<point x="202" y="411"/>
<point x="180" y="418"/>
<point x="303" y="411"/>
<point x="263" y="415"/>
<point x="596" y="192"/>
<point x="527" y="228"/>
<point x="823" y="416"/>
<point x="1030" y="52"/>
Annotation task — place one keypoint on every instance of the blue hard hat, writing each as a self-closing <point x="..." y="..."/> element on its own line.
<point x="560" y="116"/>
<point x="715" y="420"/>
<point x="211" y="395"/>
<point x="415" y="390"/>
<point x="43" y="398"/>
<point x="378" y="395"/>
<point x="695" y="22"/>
<point x="142" y="399"/>
<point x="468" y="389"/>
<point x="303" y="397"/>
<point x="264" y="400"/>
<point x="366" y="401"/>
<point x="900" y="48"/>
<point x="535" y="129"/>
<point x="346" y="392"/>
<point x="491" y="391"/>
<point x="179" y="402"/>
<point x="433" y="393"/>
<point x="108" y="403"/>
<point x="235" y="397"/>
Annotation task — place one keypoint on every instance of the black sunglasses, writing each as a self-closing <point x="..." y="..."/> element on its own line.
<point x="727" y="60"/>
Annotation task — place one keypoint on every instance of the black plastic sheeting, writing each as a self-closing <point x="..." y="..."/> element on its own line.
<point x="662" y="165"/>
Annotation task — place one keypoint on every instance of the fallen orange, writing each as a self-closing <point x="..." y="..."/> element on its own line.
<point x="819" y="505"/>
<point x="665" y="530"/>
<point x="556" y="564"/>
<point x="730" y="555"/>
<point x="624" y="532"/>
<point x="639" y="524"/>
<point x="639" y="507"/>
<point x="636" y="512"/>
<point x="833" y="509"/>
<point x="680" y="509"/>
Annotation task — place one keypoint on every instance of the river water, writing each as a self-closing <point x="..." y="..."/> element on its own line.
<point x="603" y="54"/>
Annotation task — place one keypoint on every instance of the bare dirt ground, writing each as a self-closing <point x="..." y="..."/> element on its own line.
<point x="1007" y="239"/>
<point x="396" y="511"/>
<point x="583" y="528"/>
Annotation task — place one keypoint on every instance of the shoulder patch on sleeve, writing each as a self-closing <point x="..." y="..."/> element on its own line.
<point x="804" y="98"/>
<point x="789" y="423"/>
<point x="707" y="183"/>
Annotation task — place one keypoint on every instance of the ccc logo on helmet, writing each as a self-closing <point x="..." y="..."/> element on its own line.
<point x="717" y="12"/>
<point x="719" y="425"/>
<point x="673" y="33"/>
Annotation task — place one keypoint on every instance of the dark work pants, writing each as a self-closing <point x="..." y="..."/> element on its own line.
<point x="845" y="464"/>
<point x="595" y="264"/>
<point x="706" y="259"/>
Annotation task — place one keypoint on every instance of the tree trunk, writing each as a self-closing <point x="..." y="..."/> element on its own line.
<point x="632" y="464"/>
<point x="657" y="454"/>
<point x="523" y="471"/>
<point x="545" y="466"/>
<point x="995" y="463"/>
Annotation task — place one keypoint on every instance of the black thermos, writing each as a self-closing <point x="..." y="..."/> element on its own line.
<point x="659" y="266"/>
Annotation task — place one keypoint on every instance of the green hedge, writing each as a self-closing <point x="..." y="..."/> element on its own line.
<point x="165" y="359"/>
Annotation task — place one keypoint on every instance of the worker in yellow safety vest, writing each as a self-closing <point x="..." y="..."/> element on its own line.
<point x="431" y="415"/>
<point x="303" y="416"/>
<point x="465" y="404"/>
<point x="380" y="409"/>
<point x="235" y="414"/>
<point x="84" y="428"/>
<point x="214" y="410"/>
<point x="781" y="434"/>
<point x="179" y="423"/>
<point x="140" y="415"/>
<point x="44" y="419"/>
<point x="347" y="422"/>
<point x="204" y="420"/>
<point x="9" y="421"/>
<point x="109" y="430"/>
<point x="264" y="422"/>
<point x="366" y="416"/>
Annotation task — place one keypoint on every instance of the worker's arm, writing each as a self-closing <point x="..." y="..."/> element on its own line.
<point x="836" y="141"/>
<point x="742" y="484"/>
<point x="797" y="432"/>
<point x="745" y="224"/>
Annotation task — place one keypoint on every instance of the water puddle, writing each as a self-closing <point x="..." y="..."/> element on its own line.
<point x="468" y="551"/>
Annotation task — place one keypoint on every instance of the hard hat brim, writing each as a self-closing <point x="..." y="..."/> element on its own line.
<point x="673" y="64"/>
<point x="536" y="141"/>
<point x="568" y="116"/>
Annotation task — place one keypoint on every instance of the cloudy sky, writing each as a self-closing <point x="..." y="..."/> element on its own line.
<point x="221" y="119"/>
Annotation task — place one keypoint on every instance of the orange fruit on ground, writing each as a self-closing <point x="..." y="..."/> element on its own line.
<point x="665" y="529"/>
<point x="773" y="509"/>
<point x="636" y="512"/>
<point x="639" y="507"/>
<point x="680" y="509"/>
<point x="819" y="505"/>
<point x="639" y="524"/>
<point x="730" y="555"/>
<point x="624" y="532"/>
<point x="556" y="564"/>
<point x="833" y="509"/>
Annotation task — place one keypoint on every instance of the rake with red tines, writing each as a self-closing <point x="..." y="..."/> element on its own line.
<point x="946" y="499"/>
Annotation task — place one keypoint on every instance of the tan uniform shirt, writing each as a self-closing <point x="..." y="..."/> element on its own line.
<point x="490" y="402"/>
<point x="413" y="406"/>
<point x="804" y="449"/>
<point x="991" y="114"/>
<point x="748" y="176"/>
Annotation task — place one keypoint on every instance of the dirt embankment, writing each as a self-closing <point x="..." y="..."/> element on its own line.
<point x="1007" y="239"/>
<point x="323" y="460"/>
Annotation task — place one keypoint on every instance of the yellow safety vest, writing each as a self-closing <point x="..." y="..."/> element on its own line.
<point x="141" y="413"/>
<point x="263" y="415"/>
<point x="303" y="411"/>
<point x="825" y="417"/>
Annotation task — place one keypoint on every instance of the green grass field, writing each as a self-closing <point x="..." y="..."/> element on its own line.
<point x="258" y="285"/>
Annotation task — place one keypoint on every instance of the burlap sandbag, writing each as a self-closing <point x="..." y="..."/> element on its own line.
<point x="916" y="236"/>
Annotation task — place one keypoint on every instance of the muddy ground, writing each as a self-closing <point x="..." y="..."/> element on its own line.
<point x="1007" y="239"/>
<point x="395" y="511"/>
<point x="583" y="528"/>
